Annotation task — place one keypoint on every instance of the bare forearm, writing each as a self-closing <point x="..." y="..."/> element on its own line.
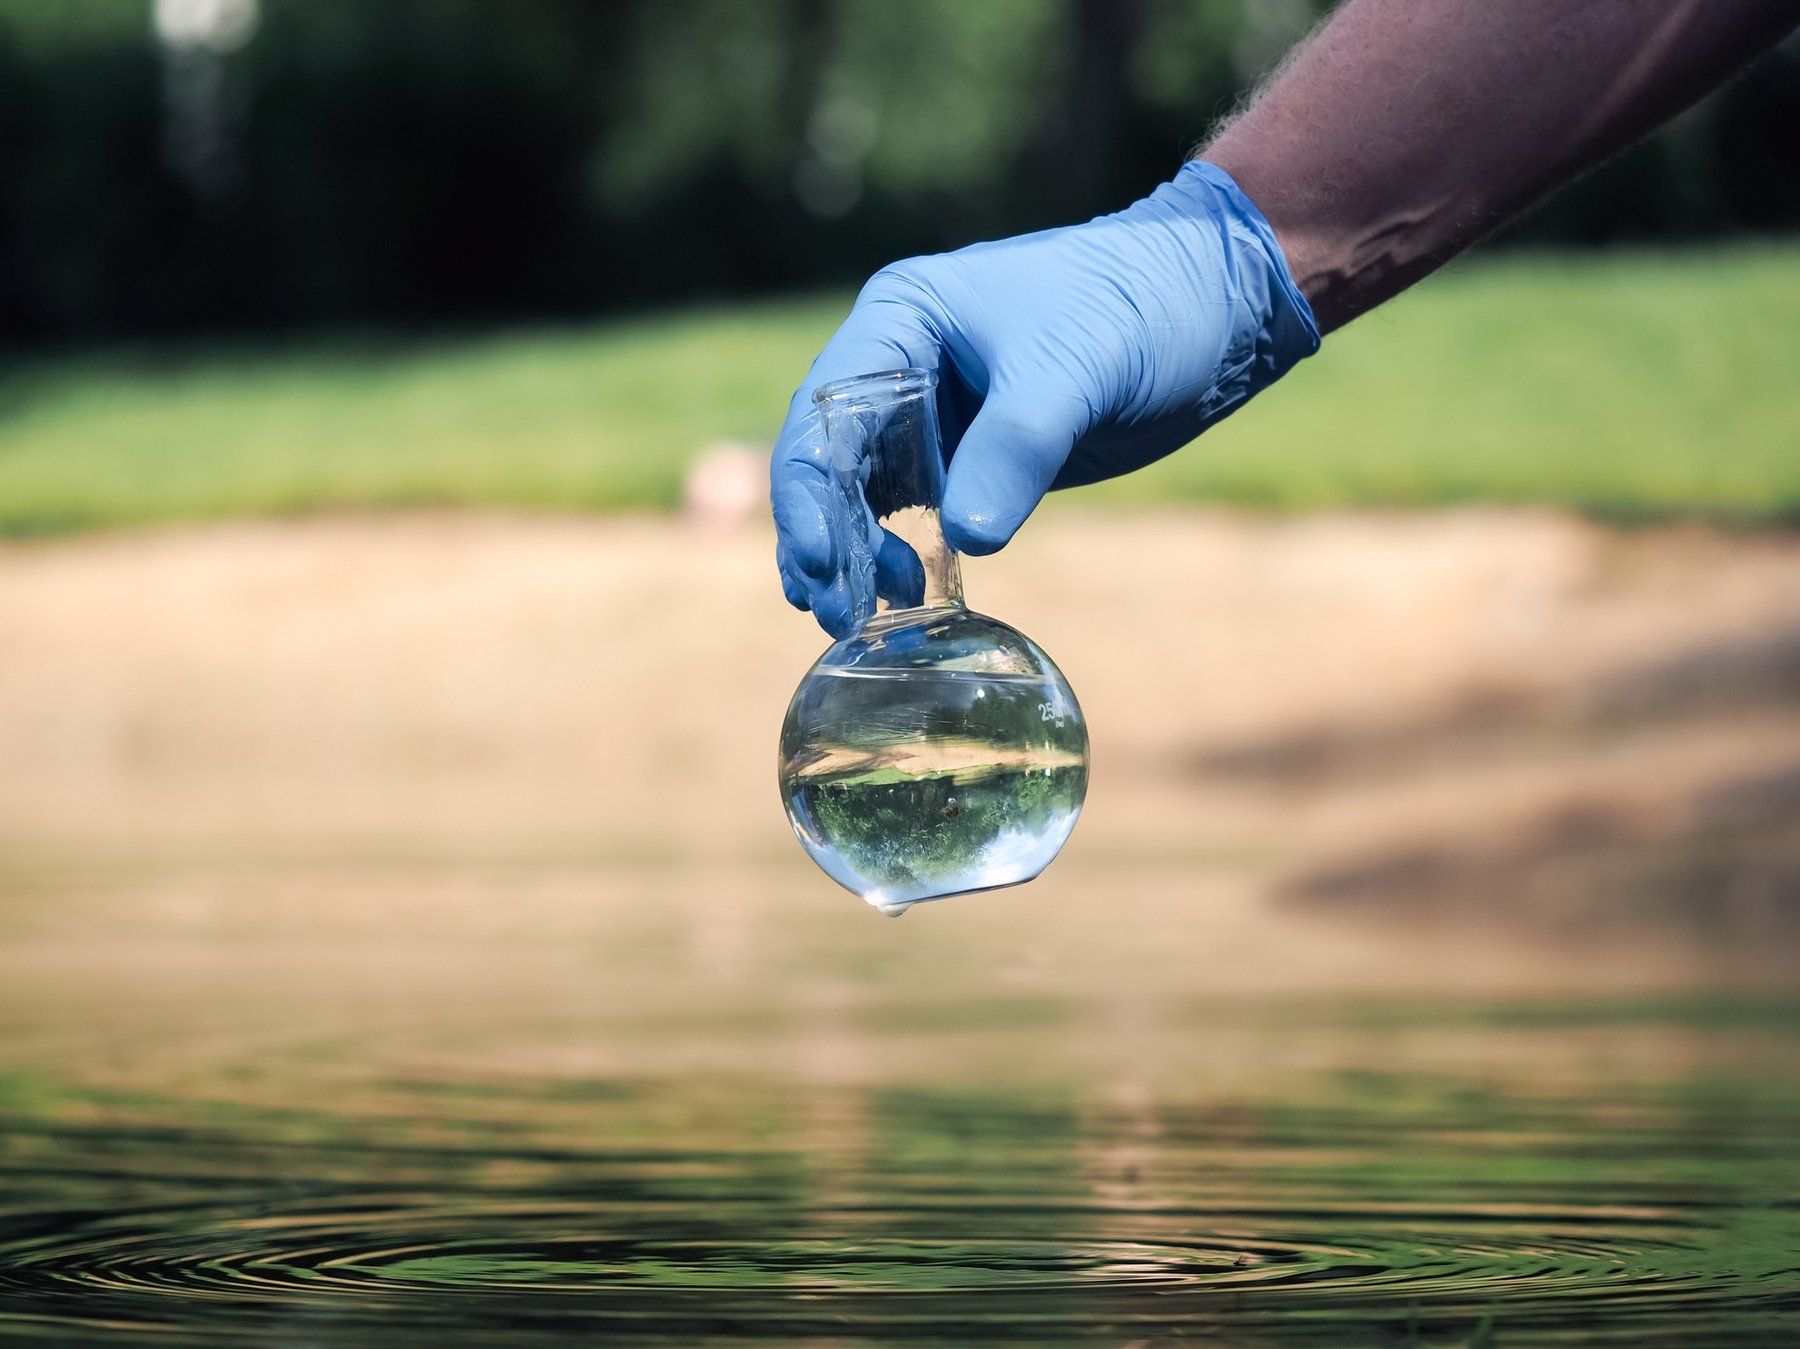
<point x="1405" y="129"/>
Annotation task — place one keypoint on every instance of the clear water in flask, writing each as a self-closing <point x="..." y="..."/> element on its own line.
<point x="961" y="768"/>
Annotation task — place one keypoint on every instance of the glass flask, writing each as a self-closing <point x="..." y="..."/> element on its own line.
<point x="934" y="751"/>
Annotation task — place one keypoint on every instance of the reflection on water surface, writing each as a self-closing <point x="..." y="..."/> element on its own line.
<point x="216" y="1127"/>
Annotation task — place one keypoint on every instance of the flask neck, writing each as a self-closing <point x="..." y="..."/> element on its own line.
<point x="887" y="461"/>
<point x="921" y="528"/>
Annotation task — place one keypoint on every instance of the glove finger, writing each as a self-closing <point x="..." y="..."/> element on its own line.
<point x="1007" y="460"/>
<point x="881" y="333"/>
<point x="833" y="607"/>
<point x="793" y="582"/>
<point x="893" y="326"/>
<point x="899" y="575"/>
<point x="803" y="523"/>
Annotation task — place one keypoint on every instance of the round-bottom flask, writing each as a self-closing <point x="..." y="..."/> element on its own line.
<point x="935" y="751"/>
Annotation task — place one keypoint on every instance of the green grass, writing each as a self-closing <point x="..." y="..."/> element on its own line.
<point x="602" y="417"/>
<point x="1630" y="386"/>
<point x="1637" y="386"/>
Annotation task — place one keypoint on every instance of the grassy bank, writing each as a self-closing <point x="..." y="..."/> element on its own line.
<point x="1630" y="386"/>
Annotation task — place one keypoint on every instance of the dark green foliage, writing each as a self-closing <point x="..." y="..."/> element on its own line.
<point x="423" y="161"/>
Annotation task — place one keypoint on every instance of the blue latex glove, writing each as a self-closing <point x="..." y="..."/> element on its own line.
<point x="1063" y="357"/>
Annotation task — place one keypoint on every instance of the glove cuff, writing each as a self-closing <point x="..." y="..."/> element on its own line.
<point x="1276" y="325"/>
<point x="1290" y="319"/>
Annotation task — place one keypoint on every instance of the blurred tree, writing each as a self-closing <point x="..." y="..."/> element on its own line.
<point x="424" y="161"/>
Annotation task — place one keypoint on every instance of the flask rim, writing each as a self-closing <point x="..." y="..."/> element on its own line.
<point x="881" y="386"/>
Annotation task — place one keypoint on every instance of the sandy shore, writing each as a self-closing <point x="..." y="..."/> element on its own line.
<point x="1384" y="728"/>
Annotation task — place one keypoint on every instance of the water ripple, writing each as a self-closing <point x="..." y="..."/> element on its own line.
<point x="1423" y="1211"/>
<point x="378" y="1266"/>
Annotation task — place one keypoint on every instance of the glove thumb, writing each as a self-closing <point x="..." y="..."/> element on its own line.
<point x="1004" y="464"/>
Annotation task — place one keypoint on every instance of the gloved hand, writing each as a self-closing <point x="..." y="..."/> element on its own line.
<point x="1063" y="357"/>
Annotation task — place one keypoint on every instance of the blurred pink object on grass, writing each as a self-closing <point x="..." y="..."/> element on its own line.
<point x="726" y="486"/>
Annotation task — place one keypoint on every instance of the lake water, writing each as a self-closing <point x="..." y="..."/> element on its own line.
<point x="296" y="1107"/>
